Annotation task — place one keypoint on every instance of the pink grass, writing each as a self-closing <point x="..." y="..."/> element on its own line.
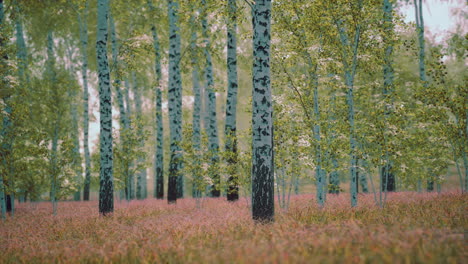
<point x="412" y="227"/>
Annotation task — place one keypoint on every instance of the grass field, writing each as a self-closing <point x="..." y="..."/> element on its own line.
<point x="412" y="228"/>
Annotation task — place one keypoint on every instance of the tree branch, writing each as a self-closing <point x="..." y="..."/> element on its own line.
<point x="297" y="91"/>
<point x="250" y="4"/>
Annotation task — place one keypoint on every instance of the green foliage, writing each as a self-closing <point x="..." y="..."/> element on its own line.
<point x="130" y="155"/>
<point x="293" y="159"/>
<point x="422" y="123"/>
<point x="197" y="162"/>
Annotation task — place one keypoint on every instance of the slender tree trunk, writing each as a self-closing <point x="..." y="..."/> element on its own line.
<point x="334" y="180"/>
<point x="196" y="116"/>
<point x="388" y="181"/>
<point x="84" y="71"/>
<point x="123" y="117"/>
<point x="350" y="72"/>
<point x="421" y="41"/>
<point x="7" y="146"/>
<point x="106" y="182"/>
<point x="175" y="103"/>
<point x="262" y="116"/>
<point x="320" y="175"/>
<point x="75" y="131"/>
<point x="352" y="138"/>
<point x="231" y="103"/>
<point x="10" y="203"/>
<point x="422" y="51"/>
<point x="6" y="134"/>
<point x="6" y="120"/>
<point x="145" y="183"/>
<point x="141" y="175"/>
<point x="21" y="56"/>
<point x="52" y="79"/>
<point x="159" y="159"/>
<point x="159" y="153"/>
<point x="21" y="53"/>
<point x="130" y="179"/>
<point x="283" y="188"/>
<point x="430" y="182"/>
<point x="313" y="84"/>
<point x="455" y="159"/>
<point x="213" y="121"/>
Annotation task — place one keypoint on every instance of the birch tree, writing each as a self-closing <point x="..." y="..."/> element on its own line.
<point x="130" y="179"/>
<point x="74" y="133"/>
<point x="52" y="81"/>
<point x="387" y="176"/>
<point x="3" y="62"/>
<point x="159" y="153"/>
<point x="310" y="97"/>
<point x="422" y="64"/>
<point x="125" y="160"/>
<point x="106" y="189"/>
<point x="58" y="126"/>
<point x="334" y="177"/>
<point x="175" y="102"/>
<point x="141" y="173"/>
<point x="197" y="180"/>
<point x="262" y="116"/>
<point x="159" y="159"/>
<point x="457" y="101"/>
<point x="23" y="76"/>
<point x="82" y="20"/>
<point x="6" y="132"/>
<point x="212" y="127"/>
<point x="231" y="103"/>
<point x="349" y="67"/>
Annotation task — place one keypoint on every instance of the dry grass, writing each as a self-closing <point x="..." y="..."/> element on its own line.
<point x="413" y="228"/>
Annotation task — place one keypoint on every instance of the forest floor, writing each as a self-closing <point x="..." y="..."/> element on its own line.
<point x="412" y="228"/>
